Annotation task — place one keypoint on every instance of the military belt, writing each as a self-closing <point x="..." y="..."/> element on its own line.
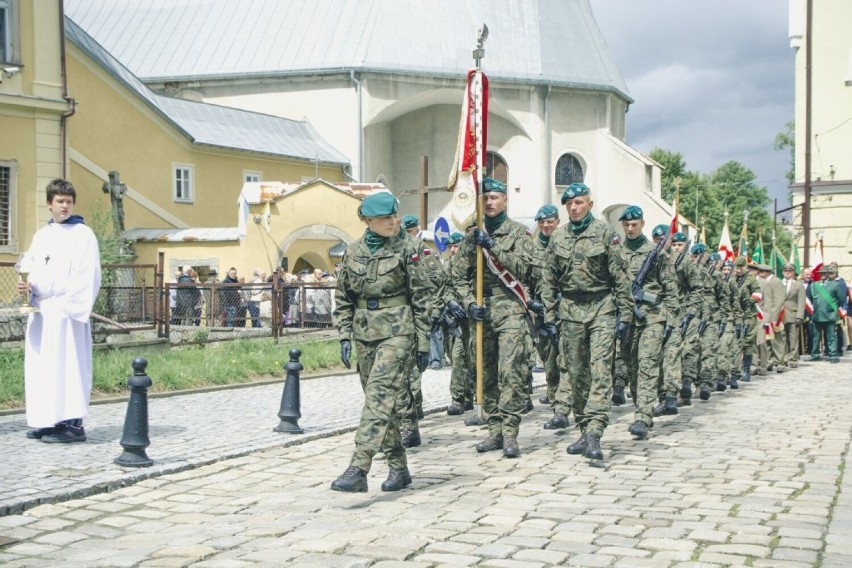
<point x="381" y="303"/>
<point x="586" y="297"/>
<point x="496" y="291"/>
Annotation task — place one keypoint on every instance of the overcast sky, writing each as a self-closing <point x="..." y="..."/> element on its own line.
<point x="713" y="80"/>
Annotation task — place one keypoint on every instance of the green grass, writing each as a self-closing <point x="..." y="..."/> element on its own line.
<point x="179" y="368"/>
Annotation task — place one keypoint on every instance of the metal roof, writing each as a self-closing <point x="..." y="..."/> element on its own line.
<point x="553" y="42"/>
<point x="214" y="125"/>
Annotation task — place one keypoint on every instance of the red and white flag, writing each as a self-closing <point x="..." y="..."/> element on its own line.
<point x="726" y="248"/>
<point x="469" y="165"/>
<point x="816" y="261"/>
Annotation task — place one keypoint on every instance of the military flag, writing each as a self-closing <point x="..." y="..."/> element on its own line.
<point x="742" y="249"/>
<point x="816" y="260"/>
<point x="757" y="255"/>
<point x="675" y="226"/>
<point x="466" y="174"/>
<point x="794" y="257"/>
<point x="777" y="261"/>
<point x="726" y="249"/>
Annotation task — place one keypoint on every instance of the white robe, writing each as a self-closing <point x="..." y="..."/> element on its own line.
<point x="65" y="273"/>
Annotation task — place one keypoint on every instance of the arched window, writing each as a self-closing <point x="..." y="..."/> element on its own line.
<point x="496" y="168"/>
<point x="568" y="170"/>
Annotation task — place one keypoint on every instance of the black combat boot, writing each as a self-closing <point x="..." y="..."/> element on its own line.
<point x="747" y="368"/>
<point x="510" y="447"/>
<point x="618" y="395"/>
<point x="544" y="399"/>
<point x="720" y="384"/>
<point x="558" y="422"/>
<point x="455" y="408"/>
<point x="671" y="406"/>
<point x="397" y="479"/>
<point x="578" y="447"/>
<point x="353" y="480"/>
<point x="734" y="384"/>
<point x="528" y="405"/>
<point x="491" y="443"/>
<point x="410" y="438"/>
<point x="468" y="405"/>
<point x="660" y="409"/>
<point x="704" y="393"/>
<point x="685" y="395"/>
<point x="639" y="429"/>
<point x="593" y="447"/>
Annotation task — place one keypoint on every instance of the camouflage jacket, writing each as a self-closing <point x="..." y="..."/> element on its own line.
<point x="588" y="270"/>
<point x="383" y="294"/>
<point x="691" y="288"/>
<point x="748" y="285"/>
<point x="513" y="249"/>
<point x="535" y="274"/>
<point x="720" y="301"/>
<point x="661" y="282"/>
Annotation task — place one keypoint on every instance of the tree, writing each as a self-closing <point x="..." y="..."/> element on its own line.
<point x="787" y="140"/>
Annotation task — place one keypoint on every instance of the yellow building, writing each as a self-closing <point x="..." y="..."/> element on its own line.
<point x="831" y="129"/>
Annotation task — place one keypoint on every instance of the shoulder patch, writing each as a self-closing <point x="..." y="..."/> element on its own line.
<point x="415" y="258"/>
<point x="426" y="252"/>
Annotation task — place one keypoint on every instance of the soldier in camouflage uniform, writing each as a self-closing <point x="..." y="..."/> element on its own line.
<point x="381" y="304"/>
<point x="692" y="337"/>
<point x="716" y="318"/>
<point x="649" y="334"/>
<point x="748" y="286"/>
<point x="461" y="377"/>
<point x="504" y="317"/>
<point x="547" y="219"/>
<point x="585" y="281"/>
<point x="730" y="340"/>
<point x="410" y="407"/>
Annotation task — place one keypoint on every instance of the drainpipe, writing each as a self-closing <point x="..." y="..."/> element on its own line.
<point x="359" y="125"/>
<point x="72" y="104"/>
<point x="548" y="149"/>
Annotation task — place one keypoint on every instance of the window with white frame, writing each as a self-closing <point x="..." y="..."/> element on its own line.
<point x="184" y="180"/>
<point x="8" y="32"/>
<point x="7" y="206"/>
<point x="569" y="169"/>
<point x="252" y="176"/>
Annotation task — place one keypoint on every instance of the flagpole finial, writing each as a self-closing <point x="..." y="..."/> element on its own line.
<point x="479" y="52"/>
<point x="745" y="215"/>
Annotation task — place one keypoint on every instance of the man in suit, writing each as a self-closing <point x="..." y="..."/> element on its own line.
<point x="794" y="312"/>
<point x="773" y="303"/>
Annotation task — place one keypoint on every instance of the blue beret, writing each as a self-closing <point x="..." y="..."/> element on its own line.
<point x="379" y="204"/>
<point x="455" y="238"/>
<point x="679" y="238"/>
<point x="715" y="257"/>
<point x="660" y="231"/>
<point x="410" y="221"/>
<point x="575" y="190"/>
<point x="631" y="213"/>
<point x="492" y="185"/>
<point x="698" y="248"/>
<point x="546" y="212"/>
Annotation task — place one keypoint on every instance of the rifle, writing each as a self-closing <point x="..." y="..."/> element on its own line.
<point x="682" y="255"/>
<point x="450" y="321"/>
<point x="636" y="289"/>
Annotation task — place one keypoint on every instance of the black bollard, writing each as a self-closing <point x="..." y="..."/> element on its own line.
<point x="134" y="438"/>
<point x="289" y="412"/>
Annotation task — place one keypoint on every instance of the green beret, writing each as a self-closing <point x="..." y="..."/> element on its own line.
<point x="631" y="213"/>
<point x="679" y="237"/>
<point x="410" y="221"/>
<point x="728" y="264"/>
<point x="379" y="204"/>
<point x="455" y="238"/>
<point x="698" y="248"/>
<point x="492" y="185"/>
<point x="660" y="231"/>
<point x="576" y="189"/>
<point x="715" y="257"/>
<point x="741" y="261"/>
<point x="546" y="212"/>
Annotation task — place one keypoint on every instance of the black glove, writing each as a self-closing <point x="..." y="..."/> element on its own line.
<point x="550" y="329"/>
<point x="477" y="313"/>
<point x="621" y="330"/>
<point x="536" y="307"/>
<point x="482" y="239"/>
<point x="738" y="330"/>
<point x="684" y="323"/>
<point x="346" y="353"/>
<point x="667" y="333"/>
<point x="722" y="326"/>
<point x="422" y="360"/>
<point x="456" y="311"/>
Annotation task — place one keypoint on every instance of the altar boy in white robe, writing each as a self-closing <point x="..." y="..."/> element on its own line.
<point x="64" y="279"/>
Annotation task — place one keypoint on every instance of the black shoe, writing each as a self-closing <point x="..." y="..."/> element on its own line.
<point x="397" y="479"/>
<point x="780" y="369"/>
<point x="410" y="438"/>
<point x="455" y="409"/>
<point x="593" y="447"/>
<point x="720" y="385"/>
<point x="639" y="429"/>
<point x="65" y="435"/>
<point x="353" y="480"/>
<point x="671" y="406"/>
<point x="734" y="384"/>
<point x="814" y="358"/>
<point x="834" y="360"/>
<point x="686" y="390"/>
<point x="39" y="432"/>
<point x="618" y="395"/>
<point x="660" y="409"/>
<point x="468" y="405"/>
<point x="510" y="447"/>
<point x="544" y="399"/>
<point x="704" y="393"/>
<point x="681" y="402"/>
<point x="578" y="447"/>
<point x="528" y="406"/>
<point x="558" y="422"/>
<point x="490" y="444"/>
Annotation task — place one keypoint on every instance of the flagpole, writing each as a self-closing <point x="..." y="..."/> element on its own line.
<point x="478" y="55"/>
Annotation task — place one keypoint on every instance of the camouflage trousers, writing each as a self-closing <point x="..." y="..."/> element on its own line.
<point x="671" y="371"/>
<point x="749" y="335"/>
<point x="585" y="380"/>
<point x="410" y="407"/>
<point x="461" y="384"/>
<point x="383" y="367"/>
<point x="709" y="356"/>
<point x="728" y="352"/>
<point x="691" y="353"/>
<point x="643" y="368"/>
<point x="505" y="357"/>
<point x="552" y="370"/>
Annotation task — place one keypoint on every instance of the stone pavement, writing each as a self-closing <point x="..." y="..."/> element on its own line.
<point x="754" y="477"/>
